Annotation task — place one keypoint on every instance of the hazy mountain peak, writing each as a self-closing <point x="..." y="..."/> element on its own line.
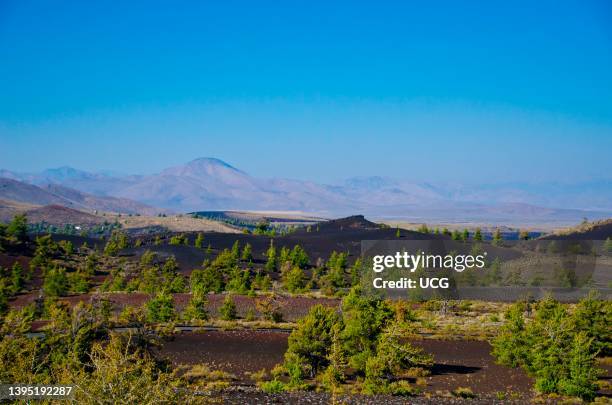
<point x="204" y="166"/>
<point x="65" y="173"/>
<point x="210" y="161"/>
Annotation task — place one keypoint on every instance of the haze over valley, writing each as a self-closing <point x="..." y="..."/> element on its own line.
<point x="212" y="184"/>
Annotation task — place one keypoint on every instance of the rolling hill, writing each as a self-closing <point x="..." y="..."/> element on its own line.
<point x="57" y="195"/>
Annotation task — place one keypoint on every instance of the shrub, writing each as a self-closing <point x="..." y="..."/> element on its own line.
<point x="160" y="308"/>
<point x="402" y="388"/>
<point x="463" y="392"/>
<point x="271" y="258"/>
<point x="269" y="309"/>
<point x="247" y="253"/>
<point x="555" y="348"/>
<point x="207" y="280"/>
<point x="271" y="387"/>
<point x="78" y="282"/>
<point x="311" y="339"/>
<point x="17" y="278"/>
<point x="17" y="229"/>
<point x="117" y="241"/>
<point x="298" y="257"/>
<point x="294" y="280"/>
<point x="180" y="239"/>
<point x="196" y="309"/>
<point x="56" y="282"/>
<point x="228" y="309"/>
<point x="199" y="241"/>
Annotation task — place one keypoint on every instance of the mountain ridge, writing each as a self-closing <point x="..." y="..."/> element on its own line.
<point x="212" y="184"/>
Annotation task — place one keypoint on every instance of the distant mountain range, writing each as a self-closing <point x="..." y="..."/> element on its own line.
<point x="211" y="184"/>
<point x="58" y="195"/>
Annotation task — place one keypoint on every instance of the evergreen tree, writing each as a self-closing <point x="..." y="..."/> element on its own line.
<point x="117" y="241"/>
<point x="356" y="271"/>
<point x="309" y="343"/>
<point x="497" y="237"/>
<point x="423" y="229"/>
<point x="160" y="308"/>
<point x="196" y="309"/>
<point x="17" y="229"/>
<point x="55" y="282"/>
<point x="294" y="280"/>
<point x="478" y="235"/>
<point x="228" y="309"/>
<point x="208" y="280"/>
<point x="299" y="257"/>
<point x="247" y="253"/>
<point x="17" y="278"/>
<point x="284" y="256"/>
<point x="335" y="373"/>
<point x="199" y="241"/>
<point x="271" y="258"/>
<point x="581" y="380"/>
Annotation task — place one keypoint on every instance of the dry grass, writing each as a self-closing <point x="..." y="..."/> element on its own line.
<point x="175" y="223"/>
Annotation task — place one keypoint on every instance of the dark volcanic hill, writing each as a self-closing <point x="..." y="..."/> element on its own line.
<point x="599" y="230"/>
<point x="353" y="223"/>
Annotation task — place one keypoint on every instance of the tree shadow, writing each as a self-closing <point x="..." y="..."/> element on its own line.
<point x="441" y="369"/>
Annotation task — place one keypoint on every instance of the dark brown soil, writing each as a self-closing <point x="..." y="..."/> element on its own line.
<point x="292" y="308"/>
<point x="237" y="351"/>
<point x="468" y="363"/>
<point x="457" y="363"/>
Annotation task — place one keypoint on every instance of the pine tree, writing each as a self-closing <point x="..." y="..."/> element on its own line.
<point x="294" y="280"/>
<point x="582" y="379"/>
<point x="17" y="278"/>
<point x="228" y="309"/>
<point x="17" y="229"/>
<point x="271" y="255"/>
<point x="56" y="282"/>
<point x="247" y="253"/>
<point x="196" y="310"/>
<point x="284" y="256"/>
<point x="335" y="373"/>
<point x="478" y="235"/>
<point x="236" y="251"/>
<point x="497" y="237"/>
<point x="160" y="308"/>
<point x="199" y="241"/>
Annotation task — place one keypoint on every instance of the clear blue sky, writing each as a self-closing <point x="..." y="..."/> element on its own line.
<point x="479" y="91"/>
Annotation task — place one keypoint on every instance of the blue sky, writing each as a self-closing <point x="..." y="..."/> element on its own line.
<point x="440" y="91"/>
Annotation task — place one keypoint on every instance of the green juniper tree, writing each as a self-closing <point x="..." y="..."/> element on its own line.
<point x="199" y="241"/>
<point x="228" y="310"/>
<point x="271" y="258"/>
<point x="247" y="253"/>
<point x="160" y="308"/>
